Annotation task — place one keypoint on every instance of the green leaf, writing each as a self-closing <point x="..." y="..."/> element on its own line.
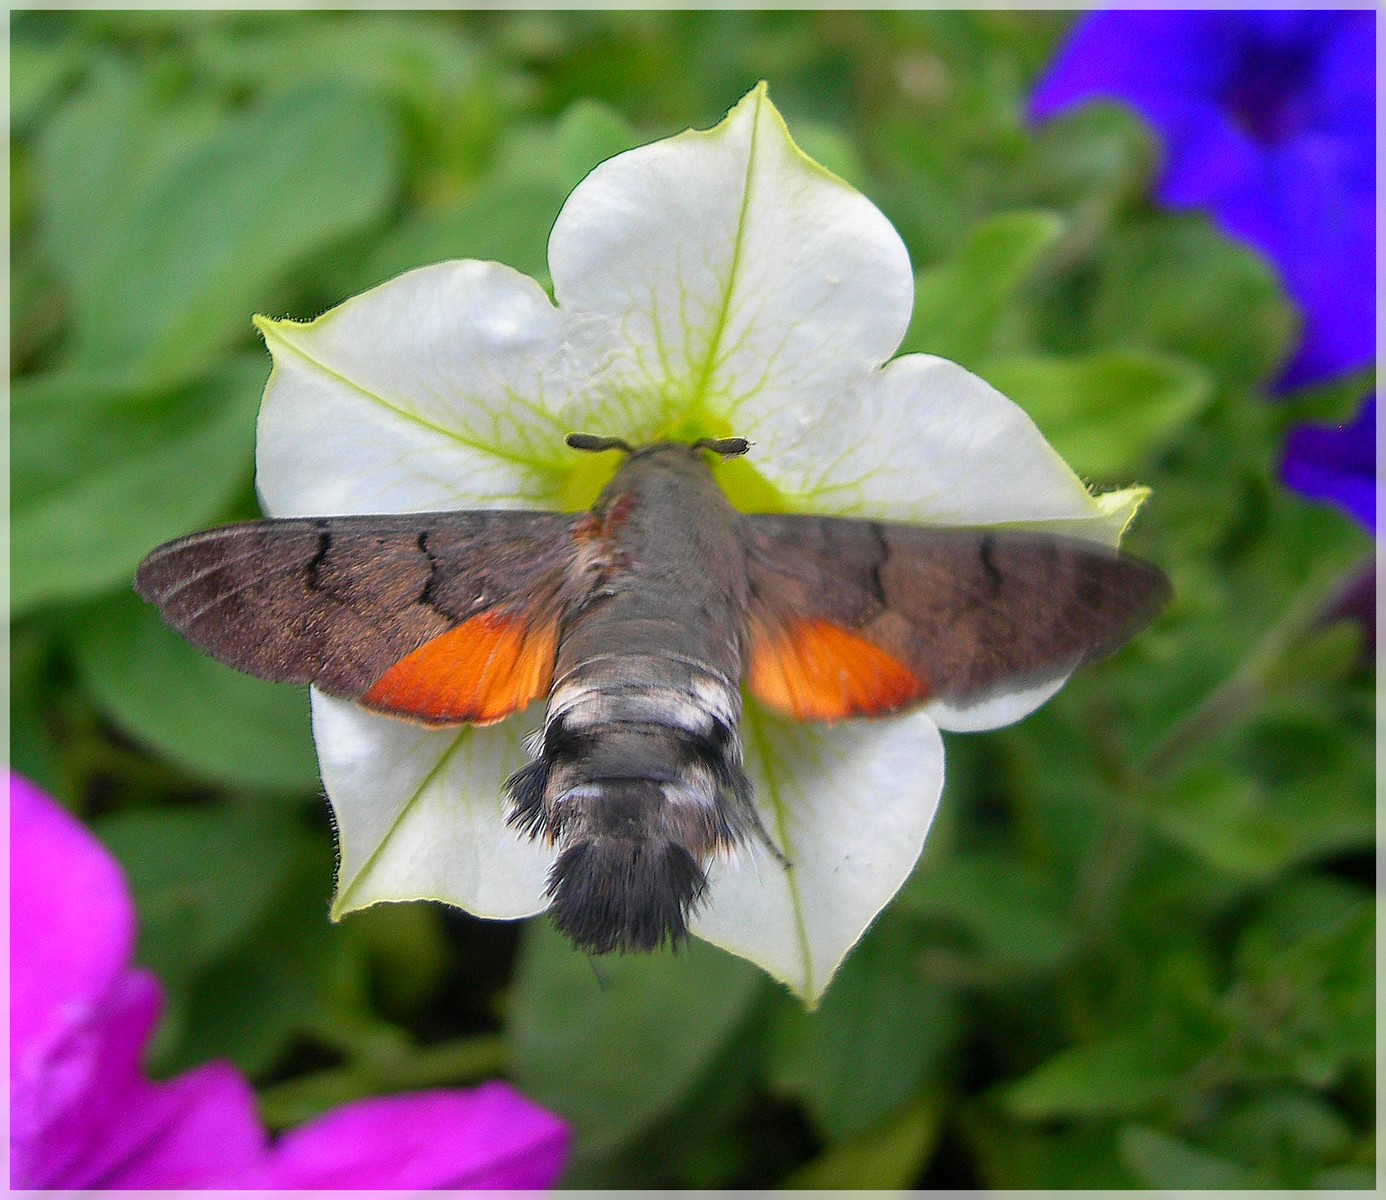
<point x="1347" y="1179"/>
<point x="102" y="472"/>
<point x="1218" y="814"/>
<point x="214" y="722"/>
<point x="507" y="216"/>
<point x="407" y="950"/>
<point x="830" y="148"/>
<point x="35" y="751"/>
<point x="248" y="1009"/>
<point x="1104" y="413"/>
<point x="445" y="93"/>
<point x="93" y="164"/>
<point x="889" y="1157"/>
<point x="1097" y="156"/>
<point x="958" y="304"/>
<point x="613" y="1044"/>
<point x="1322" y="655"/>
<point x="1308" y="1004"/>
<point x="880" y="1031"/>
<point x="1049" y="765"/>
<point x="1309" y="907"/>
<point x="1175" y="283"/>
<point x="586" y="135"/>
<point x="1252" y="826"/>
<point x="1332" y="402"/>
<point x="419" y="57"/>
<point x="36" y="300"/>
<point x="210" y="233"/>
<point x="38" y="72"/>
<point x="295" y="973"/>
<point x="1114" y="1076"/>
<point x="505" y="220"/>
<point x="701" y="1141"/>
<point x="1161" y="1160"/>
<point x="1298" y="1124"/>
<point x="1080" y="1156"/>
<point x="1006" y="912"/>
<point x="201" y="877"/>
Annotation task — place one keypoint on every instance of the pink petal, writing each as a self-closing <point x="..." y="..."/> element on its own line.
<point x="74" y="1099"/>
<point x="82" y="1112"/>
<point x="209" y="1132"/>
<point x="490" y="1137"/>
<point x="72" y="922"/>
<point x="85" y="1116"/>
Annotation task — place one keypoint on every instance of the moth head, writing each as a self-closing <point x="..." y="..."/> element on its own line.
<point x="595" y="445"/>
<point x="731" y="447"/>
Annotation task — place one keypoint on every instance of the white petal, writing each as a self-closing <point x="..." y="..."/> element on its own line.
<point x="1002" y="708"/>
<point x="930" y="442"/>
<point x="725" y="275"/>
<point x="420" y="813"/>
<point x="442" y="388"/>
<point x="849" y="805"/>
<point x="1115" y="512"/>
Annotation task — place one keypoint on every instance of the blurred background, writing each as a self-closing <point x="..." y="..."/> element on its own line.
<point x="1138" y="948"/>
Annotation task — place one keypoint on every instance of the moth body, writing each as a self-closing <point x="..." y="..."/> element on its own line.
<point x="640" y="622"/>
<point x="639" y="779"/>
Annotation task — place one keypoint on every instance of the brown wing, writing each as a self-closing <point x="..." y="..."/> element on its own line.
<point x="444" y="617"/>
<point x="854" y="617"/>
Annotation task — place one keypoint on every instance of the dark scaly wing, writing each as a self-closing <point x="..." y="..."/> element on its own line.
<point x="443" y="617"/>
<point x="853" y="617"/>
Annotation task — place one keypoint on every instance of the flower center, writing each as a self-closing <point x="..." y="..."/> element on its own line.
<point x="746" y="488"/>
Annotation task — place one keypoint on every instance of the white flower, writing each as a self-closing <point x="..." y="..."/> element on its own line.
<point x="716" y="283"/>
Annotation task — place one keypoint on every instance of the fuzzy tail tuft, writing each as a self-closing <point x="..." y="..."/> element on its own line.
<point x="625" y="894"/>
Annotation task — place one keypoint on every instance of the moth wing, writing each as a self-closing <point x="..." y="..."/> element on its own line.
<point x="861" y="618"/>
<point x="443" y="617"/>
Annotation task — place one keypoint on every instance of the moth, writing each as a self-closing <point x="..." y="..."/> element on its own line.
<point x="639" y="622"/>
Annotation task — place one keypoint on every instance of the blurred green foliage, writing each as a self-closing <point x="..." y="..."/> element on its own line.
<point x="1138" y="950"/>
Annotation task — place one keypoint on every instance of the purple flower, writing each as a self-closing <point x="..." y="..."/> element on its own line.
<point x="1336" y="464"/>
<point x="83" y="1115"/>
<point x="1268" y="120"/>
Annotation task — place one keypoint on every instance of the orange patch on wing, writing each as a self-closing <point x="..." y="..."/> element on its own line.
<point x="816" y="671"/>
<point x="482" y="671"/>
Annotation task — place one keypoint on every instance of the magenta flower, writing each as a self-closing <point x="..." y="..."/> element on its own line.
<point x="83" y="1114"/>
<point x="1268" y="121"/>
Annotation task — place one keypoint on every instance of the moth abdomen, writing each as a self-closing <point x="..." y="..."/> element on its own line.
<point x="631" y="869"/>
<point x="638" y="781"/>
<point x="526" y="789"/>
<point x="611" y="893"/>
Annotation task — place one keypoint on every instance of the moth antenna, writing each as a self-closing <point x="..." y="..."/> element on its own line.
<point x="591" y="442"/>
<point x="732" y="447"/>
